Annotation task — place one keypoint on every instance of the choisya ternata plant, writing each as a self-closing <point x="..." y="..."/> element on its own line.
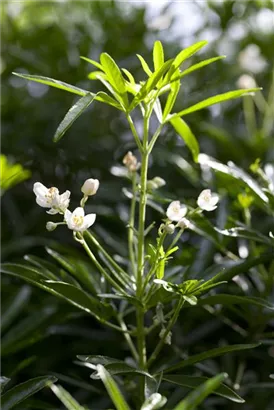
<point x="142" y="285"/>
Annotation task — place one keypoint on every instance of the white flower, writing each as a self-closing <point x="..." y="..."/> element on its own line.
<point x="50" y="198"/>
<point x="207" y="200"/>
<point x="90" y="187"/>
<point x="246" y="81"/>
<point x="184" y="223"/>
<point x="77" y="221"/>
<point x="175" y="212"/>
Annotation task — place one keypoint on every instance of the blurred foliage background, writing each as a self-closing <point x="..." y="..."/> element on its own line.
<point x="48" y="38"/>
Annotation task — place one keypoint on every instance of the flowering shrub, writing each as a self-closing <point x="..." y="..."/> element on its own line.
<point x="143" y="285"/>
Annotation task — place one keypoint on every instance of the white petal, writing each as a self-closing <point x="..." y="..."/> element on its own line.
<point x="39" y="189"/>
<point x="52" y="211"/>
<point x="42" y="202"/>
<point x="65" y="196"/>
<point x="67" y="215"/>
<point x="89" y="220"/>
<point x="79" y="211"/>
<point x="214" y="199"/>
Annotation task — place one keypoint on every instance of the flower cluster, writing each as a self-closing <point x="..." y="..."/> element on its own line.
<point x="176" y="212"/>
<point x="57" y="203"/>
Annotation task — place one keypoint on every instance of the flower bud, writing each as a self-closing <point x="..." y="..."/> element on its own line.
<point x="183" y="223"/>
<point x="50" y="226"/>
<point x="90" y="187"/>
<point x="167" y="338"/>
<point x="170" y="228"/>
<point x="246" y="81"/>
<point x="155" y="183"/>
<point x="130" y="161"/>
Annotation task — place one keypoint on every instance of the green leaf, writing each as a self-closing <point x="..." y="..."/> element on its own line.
<point x="245" y="232"/>
<point x="144" y="64"/>
<point x="112" y="389"/>
<point x="107" y="99"/>
<point x="15" y="307"/>
<point x="154" y="402"/>
<point x="70" y="293"/>
<point x="68" y="401"/>
<point x="129" y="76"/>
<point x="218" y="351"/>
<point x="183" y="55"/>
<point x="74" y="112"/>
<point x="3" y="382"/>
<point x="158" y="55"/>
<point x="195" y="67"/>
<point x="215" y="100"/>
<point x="174" y="90"/>
<point x="185" y="132"/>
<point x="194" y="381"/>
<point x="235" y="172"/>
<point x="24" y="390"/>
<point x="93" y="62"/>
<point x="224" y="299"/>
<point x="200" y="393"/>
<point x="114" y="76"/>
<point x="53" y="83"/>
<point x="114" y="366"/>
<point x="150" y="84"/>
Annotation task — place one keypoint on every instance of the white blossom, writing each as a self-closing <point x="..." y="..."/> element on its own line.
<point x="50" y="198"/>
<point x="176" y="211"/>
<point x="184" y="223"/>
<point x="246" y="81"/>
<point x="207" y="200"/>
<point x="90" y="187"/>
<point x="78" y="221"/>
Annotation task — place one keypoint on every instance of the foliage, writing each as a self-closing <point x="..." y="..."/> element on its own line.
<point x="91" y="300"/>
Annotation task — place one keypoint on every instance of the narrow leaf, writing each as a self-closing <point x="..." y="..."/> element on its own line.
<point x="114" y="76"/>
<point x="74" y="112"/>
<point x="185" y="132"/>
<point x="195" y="67"/>
<point x="53" y="83"/>
<point x="158" y="55"/>
<point x="200" y="393"/>
<point x="194" y="381"/>
<point x="112" y="389"/>
<point x="24" y="390"/>
<point x="144" y="64"/>
<point x="15" y="307"/>
<point x="183" y="55"/>
<point x="224" y="299"/>
<point x="216" y="99"/>
<point x="68" y="401"/>
<point x="174" y="90"/>
<point x="93" y="62"/>
<point x="3" y="382"/>
<point x="210" y="354"/>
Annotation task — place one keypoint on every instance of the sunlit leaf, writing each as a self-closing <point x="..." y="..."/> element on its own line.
<point x="144" y="64"/>
<point x="114" y="76"/>
<point x="68" y="401"/>
<point x="185" y="132"/>
<point x="53" y="83"/>
<point x="112" y="389"/>
<point x="158" y="55"/>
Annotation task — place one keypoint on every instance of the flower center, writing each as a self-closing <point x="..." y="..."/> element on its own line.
<point x="78" y="220"/>
<point x="51" y="194"/>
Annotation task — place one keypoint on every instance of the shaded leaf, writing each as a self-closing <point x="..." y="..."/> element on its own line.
<point x="210" y="354"/>
<point x="245" y="232"/>
<point x="200" y="393"/>
<point x="224" y="299"/>
<point x="3" y="382"/>
<point x="15" y="306"/>
<point x="24" y="390"/>
<point x="74" y="112"/>
<point x="194" y="381"/>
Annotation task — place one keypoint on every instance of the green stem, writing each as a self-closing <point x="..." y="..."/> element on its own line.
<point x="171" y="323"/>
<point x="100" y="267"/>
<point x="124" y="277"/>
<point x="135" y="134"/>
<point x="175" y="240"/>
<point x="128" y="338"/>
<point x="131" y="226"/>
<point x="250" y="117"/>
